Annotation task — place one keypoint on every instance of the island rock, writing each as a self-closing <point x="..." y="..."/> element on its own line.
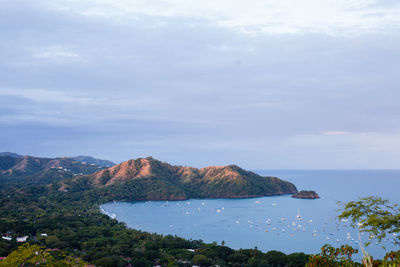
<point x="306" y="194"/>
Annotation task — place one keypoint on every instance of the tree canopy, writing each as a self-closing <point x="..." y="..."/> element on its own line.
<point x="374" y="215"/>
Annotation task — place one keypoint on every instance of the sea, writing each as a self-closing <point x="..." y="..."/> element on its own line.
<point x="272" y="223"/>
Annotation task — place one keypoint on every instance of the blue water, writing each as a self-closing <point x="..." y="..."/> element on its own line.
<point x="270" y="223"/>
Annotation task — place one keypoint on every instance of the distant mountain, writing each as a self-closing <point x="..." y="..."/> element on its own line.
<point x="10" y="154"/>
<point x="41" y="170"/>
<point x="91" y="160"/>
<point x="150" y="179"/>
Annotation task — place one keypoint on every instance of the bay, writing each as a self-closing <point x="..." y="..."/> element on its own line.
<point x="270" y="223"/>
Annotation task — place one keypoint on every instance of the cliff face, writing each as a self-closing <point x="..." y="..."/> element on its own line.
<point x="147" y="178"/>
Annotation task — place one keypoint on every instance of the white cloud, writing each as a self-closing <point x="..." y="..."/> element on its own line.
<point x="255" y="16"/>
<point x="55" y="52"/>
<point x="335" y="133"/>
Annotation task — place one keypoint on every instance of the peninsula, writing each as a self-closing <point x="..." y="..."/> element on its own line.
<point x="151" y="179"/>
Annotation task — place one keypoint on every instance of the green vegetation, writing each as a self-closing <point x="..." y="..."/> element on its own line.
<point x="33" y="170"/>
<point x="34" y="255"/>
<point x="71" y="222"/>
<point x="306" y="194"/>
<point x="379" y="218"/>
<point x="372" y="215"/>
<point x="375" y="216"/>
<point x="331" y="256"/>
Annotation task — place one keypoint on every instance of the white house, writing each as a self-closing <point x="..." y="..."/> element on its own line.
<point x="6" y="238"/>
<point x="22" y="239"/>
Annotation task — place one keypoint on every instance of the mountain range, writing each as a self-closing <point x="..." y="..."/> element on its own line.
<point x="138" y="179"/>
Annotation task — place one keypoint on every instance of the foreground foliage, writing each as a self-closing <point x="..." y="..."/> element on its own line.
<point x="375" y="216"/>
<point x="331" y="256"/>
<point x="34" y="255"/>
<point x="372" y="215"/>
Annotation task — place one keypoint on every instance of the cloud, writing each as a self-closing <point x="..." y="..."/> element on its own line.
<point x="335" y="133"/>
<point x="56" y="52"/>
<point x="119" y="79"/>
<point x="255" y="16"/>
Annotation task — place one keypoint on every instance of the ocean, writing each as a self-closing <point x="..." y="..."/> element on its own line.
<point x="271" y="223"/>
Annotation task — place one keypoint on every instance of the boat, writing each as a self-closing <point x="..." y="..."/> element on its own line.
<point x="314" y="233"/>
<point x="298" y="216"/>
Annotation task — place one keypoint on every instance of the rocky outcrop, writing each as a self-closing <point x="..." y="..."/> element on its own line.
<point x="306" y="194"/>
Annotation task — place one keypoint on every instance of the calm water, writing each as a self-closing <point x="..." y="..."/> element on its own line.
<point x="269" y="223"/>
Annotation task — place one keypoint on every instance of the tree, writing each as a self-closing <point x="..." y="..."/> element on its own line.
<point x="333" y="257"/>
<point x="297" y="259"/>
<point x="201" y="260"/>
<point x="52" y="241"/>
<point x="375" y="216"/>
<point x="33" y="255"/>
<point x="275" y="258"/>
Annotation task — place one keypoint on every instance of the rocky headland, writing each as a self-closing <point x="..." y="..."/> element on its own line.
<point x="151" y="179"/>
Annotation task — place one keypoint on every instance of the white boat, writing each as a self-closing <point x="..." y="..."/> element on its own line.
<point x="298" y="215"/>
<point x="314" y="232"/>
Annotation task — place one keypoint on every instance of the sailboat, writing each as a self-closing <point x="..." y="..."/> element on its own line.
<point x="298" y="216"/>
<point x="314" y="232"/>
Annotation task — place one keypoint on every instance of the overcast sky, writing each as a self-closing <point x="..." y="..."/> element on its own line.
<point x="263" y="84"/>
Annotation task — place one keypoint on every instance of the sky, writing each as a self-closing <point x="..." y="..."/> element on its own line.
<point x="263" y="84"/>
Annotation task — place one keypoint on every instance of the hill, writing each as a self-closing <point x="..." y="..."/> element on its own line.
<point x="91" y="160"/>
<point x="28" y="169"/>
<point x="10" y="154"/>
<point x="151" y="179"/>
